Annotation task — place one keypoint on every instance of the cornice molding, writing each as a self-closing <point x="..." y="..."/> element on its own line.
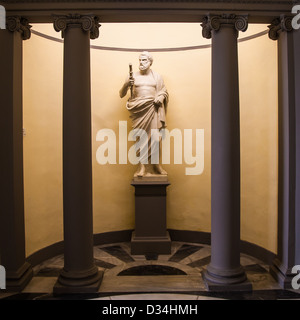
<point x="86" y="22"/>
<point x="278" y="25"/>
<point x="162" y="1"/>
<point x="214" y="23"/>
<point x="19" y="24"/>
<point x="42" y="11"/>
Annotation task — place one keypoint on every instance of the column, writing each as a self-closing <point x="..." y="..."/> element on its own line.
<point x="12" y="228"/>
<point x="79" y="274"/>
<point x="296" y="43"/>
<point x="224" y="271"/>
<point x="288" y="149"/>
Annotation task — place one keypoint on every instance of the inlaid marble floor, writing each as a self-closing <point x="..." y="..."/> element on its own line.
<point x="164" y="277"/>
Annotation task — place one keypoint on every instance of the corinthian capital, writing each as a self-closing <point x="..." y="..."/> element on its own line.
<point x="240" y="23"/>
<point x="18" y="24"/>
<point x="278" y="25"/>
<point x="87" y="23"/>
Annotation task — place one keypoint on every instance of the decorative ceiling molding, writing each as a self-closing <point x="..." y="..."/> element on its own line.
<point x="37" y="11"/>
<point x="158" y="1"/>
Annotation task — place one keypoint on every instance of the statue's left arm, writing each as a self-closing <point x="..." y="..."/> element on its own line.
<point x="162" y="96"/>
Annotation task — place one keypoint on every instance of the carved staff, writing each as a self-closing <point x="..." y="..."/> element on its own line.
<point x="131" y="78"/>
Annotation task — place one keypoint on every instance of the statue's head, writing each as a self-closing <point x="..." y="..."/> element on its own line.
<point x="145" y="61"/>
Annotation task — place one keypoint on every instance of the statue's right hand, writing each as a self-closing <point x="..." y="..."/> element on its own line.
<point x="131" y="82"/>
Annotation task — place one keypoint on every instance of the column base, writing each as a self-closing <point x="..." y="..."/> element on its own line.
<point x="150" y="245"/>
<point x="66" y="284"/>
<point x="229" y="280"/>
<point x="284" y="279"/>
<point x="17" y="281"/>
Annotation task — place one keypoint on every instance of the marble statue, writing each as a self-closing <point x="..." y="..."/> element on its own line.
<point x="147" y="106"/>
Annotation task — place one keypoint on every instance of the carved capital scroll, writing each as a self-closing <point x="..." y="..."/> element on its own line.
<point x="19" y="24"/>
<point x="278" y="25"/>
<point x="86" y="22"/>
<point x="211" y="23"/>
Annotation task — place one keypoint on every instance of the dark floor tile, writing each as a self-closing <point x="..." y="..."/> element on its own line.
<point x="103" y="264"/>
<point x="152" y="270"/>
<point x="73" y="296"/>
<point x="184" y="251"/>
<point x="255" y="268"/>
<point x="151" y="256"/>
<point x="24" y="296"/>
<point x="253" y="295"/>
<point x="48" y="272"/>
<point x="200" y="263"/>
<point x="118" y="252"/>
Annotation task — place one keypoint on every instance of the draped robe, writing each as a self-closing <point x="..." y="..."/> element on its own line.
<point x="147" y="116"/>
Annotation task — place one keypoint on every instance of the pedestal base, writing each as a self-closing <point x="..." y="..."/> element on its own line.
<point x="150" y="245"/>
<point x="77" y="286"/>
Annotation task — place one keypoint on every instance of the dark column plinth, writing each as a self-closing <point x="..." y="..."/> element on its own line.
<point x="224" y="271"/>
<point x="79" y="274"/>
<point x="288" y="150"/>
<point x="150" y="235"/>
<point x="12" y="227"/>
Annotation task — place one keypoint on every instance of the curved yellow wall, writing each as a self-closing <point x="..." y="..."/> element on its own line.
<point x="42" y="121"/>
<point x="187" y="75"/>
<point x="259" y="136"/>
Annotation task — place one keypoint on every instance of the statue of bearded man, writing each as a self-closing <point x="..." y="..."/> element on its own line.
<point x="147" y="106"/>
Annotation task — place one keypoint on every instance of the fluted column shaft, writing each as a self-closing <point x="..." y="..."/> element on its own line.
<point x="12" y="226"/>
<point x="79" y="274"/>
<point x="224" y="269"/>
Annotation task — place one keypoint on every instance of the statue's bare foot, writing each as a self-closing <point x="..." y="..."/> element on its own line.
<point x="141" y="171"/>
<point x="158" y="168"/>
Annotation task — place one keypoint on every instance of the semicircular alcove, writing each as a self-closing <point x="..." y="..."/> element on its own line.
<point x="183" y="57"/>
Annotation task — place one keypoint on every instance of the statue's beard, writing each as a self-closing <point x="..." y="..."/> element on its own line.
<point x="144" y="67"/>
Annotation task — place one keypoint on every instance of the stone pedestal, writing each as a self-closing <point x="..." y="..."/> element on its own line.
<point x="150" y="235"/>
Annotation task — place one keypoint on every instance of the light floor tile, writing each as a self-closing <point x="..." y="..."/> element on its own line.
<point x="152" y="283"/>
<point x="40" y="284"/>
<point x="155" y="296"/>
